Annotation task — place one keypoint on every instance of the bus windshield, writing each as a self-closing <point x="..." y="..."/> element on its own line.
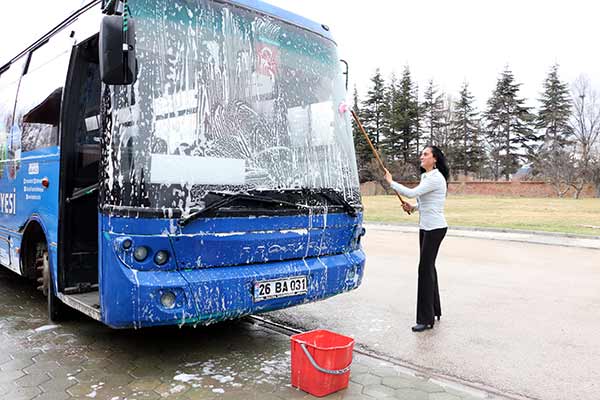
<point x="226" y="100"/>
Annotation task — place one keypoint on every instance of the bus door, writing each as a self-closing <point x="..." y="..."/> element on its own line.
<point x="80" y="166"/>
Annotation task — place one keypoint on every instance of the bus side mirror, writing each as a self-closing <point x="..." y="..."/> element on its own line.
<point x="347" y="68"/>
<point x="118" y="65"/>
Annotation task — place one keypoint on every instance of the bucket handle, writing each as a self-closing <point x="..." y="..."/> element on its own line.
<point x="320" y="369"/>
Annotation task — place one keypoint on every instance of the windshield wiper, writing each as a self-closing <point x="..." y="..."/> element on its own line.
<point x="336" y="198"/>
<point x="230" y="198"/>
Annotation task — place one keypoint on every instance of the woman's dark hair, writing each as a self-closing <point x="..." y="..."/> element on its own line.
<point x="440" y="162"/>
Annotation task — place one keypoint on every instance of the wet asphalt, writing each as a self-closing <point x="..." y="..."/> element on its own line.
<point x="518" y="318"/>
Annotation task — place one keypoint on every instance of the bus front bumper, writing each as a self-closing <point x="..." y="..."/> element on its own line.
<point x="132" y="298"/>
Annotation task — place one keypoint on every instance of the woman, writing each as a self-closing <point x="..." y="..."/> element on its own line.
<point x="431" y="197"/>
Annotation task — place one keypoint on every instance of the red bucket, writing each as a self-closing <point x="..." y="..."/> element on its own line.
<point x="321" y="361"/>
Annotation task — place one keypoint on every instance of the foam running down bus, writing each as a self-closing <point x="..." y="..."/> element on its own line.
<point x="179" y="162"/>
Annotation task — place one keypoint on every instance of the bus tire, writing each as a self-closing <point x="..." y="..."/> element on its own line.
<point x="56" y="309"/>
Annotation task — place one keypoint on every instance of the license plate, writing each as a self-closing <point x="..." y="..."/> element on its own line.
<point x="265" y="290"/>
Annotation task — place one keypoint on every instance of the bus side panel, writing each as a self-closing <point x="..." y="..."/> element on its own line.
<point x="35" y="202"/>
<point x="31" y="176"/>
<point x="23" y="199"/>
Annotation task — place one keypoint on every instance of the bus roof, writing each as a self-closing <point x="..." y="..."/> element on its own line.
<point x="282" y="14"/>
<point x="256" y="5"/>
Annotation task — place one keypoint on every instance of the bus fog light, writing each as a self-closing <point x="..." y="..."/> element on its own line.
<point x="161" y="257"/>
<point x="140" y="253"/>
<point x="127" y="243"/>
<point x="168" y="300"/>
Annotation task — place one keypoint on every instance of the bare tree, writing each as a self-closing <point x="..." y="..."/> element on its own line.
<point x="585" y="123"/>
<point x="559" y="168"/>
<point x="595" y="172"/>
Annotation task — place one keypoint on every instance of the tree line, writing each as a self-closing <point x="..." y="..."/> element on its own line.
<point x="558" y="142"/>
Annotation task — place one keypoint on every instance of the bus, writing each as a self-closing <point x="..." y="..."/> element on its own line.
<point x="180" y="162"/>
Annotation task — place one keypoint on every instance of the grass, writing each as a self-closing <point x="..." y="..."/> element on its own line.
<point x="538" y="214"/>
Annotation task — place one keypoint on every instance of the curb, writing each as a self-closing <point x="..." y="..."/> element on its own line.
<point x="507" y="235"/>
<point x="490" y="230"/>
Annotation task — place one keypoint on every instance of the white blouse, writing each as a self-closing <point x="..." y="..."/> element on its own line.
<point x="431" y="198"/>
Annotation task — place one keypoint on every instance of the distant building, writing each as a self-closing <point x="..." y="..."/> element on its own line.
<point x="522" y="173"/>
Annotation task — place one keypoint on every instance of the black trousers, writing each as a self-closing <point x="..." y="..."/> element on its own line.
<point x="428" y="293"/>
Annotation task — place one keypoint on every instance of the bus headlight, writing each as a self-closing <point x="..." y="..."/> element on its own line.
<point x="168" y="300"/>
<point x="127" y="243"/>
<point x="161" y="257"/>
<point x="140" y="253"/>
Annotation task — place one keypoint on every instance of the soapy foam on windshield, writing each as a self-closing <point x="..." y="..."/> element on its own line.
<point x="203" y="98"/>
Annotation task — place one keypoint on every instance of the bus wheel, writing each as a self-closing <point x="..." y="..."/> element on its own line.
<point x="42" y="265"/>
<point x="56" y="308"/>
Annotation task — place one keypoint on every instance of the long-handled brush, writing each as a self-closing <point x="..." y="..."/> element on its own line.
<point x="375" y="152"/>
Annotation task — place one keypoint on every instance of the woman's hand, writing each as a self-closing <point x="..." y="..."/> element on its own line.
<point x="409" y="208"/>
<point x="388" y="177"/>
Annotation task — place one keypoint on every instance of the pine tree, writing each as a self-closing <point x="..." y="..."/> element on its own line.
<point x="464" y="131"/>
<point x="418" y="116"/>
<point x="444" y="139"/>
<point x="401" y="144"/>
<point x="508" y="126"/>
<point x="361" y="147"/>
<point x="555" y="111"/>
<point x="432" y="115"/>
<point x="390" y="94"/>
<point x="552" y="159"/>
<point x="374" y="108"/>
<point x="480" y="158"/>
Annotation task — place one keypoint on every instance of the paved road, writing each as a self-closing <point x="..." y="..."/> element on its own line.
<point x="82" y="359"/>
<point x="518" y="317"/>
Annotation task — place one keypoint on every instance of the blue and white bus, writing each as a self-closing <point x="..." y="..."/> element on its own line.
<point x="179" y="162"/>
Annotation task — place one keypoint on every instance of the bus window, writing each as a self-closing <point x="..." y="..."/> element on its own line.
<point x="87" y="130"/>
<point x="9" y="84"/>
<point x="40" y="125"/>
<point x="41" y="88"/>
<point x="248" y="92"/>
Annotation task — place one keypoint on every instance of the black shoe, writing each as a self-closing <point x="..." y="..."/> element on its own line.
<point x="438" y="317"/>
<point x="421" y="327"/>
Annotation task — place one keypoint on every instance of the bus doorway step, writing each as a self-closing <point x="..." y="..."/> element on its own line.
<point x="88" y="303"/>
<point x="81" y="288"/>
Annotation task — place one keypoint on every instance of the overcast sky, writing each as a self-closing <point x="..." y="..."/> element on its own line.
<point x="458" y="40"/>
<point x="448" y="41"/>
